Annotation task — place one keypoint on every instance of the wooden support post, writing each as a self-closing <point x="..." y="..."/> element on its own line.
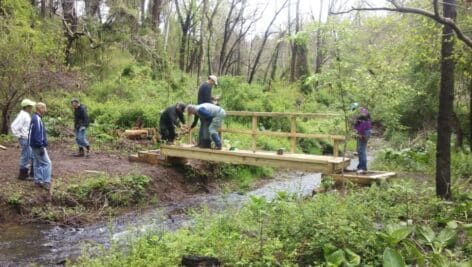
<point x="335" y="148"/>
<point x="293" y="133"/>
<point x="254" y="133"/>
<point x="190" y="136"/>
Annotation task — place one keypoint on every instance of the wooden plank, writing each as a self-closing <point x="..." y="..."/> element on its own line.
<point x="254" y="131"/>
<point x="285" y="134"/>
<point x="2" y="147"/>
<point x="283" y="114"/>
<point x="293" y="134"/>
<point x="365" y="179"/>
<point x="256" y="160"/>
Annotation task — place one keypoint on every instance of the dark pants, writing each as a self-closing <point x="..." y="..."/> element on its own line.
<point x="167" y="133"/>
<point x="204" y="139"/>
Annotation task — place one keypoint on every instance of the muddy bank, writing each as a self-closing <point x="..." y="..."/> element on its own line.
<point x="76" y="198"/>
<point x="51" y="245"/>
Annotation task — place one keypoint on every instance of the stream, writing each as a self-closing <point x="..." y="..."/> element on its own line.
<point x="50" y="245"/>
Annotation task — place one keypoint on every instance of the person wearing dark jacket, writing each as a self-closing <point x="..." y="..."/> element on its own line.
<point x="81" y="122"/>
<point x="204" y="96"/>
<point x="38" y="140"/>
<point x="171" y="118"/>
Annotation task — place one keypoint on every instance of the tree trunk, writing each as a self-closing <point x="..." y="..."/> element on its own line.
<point x="299" y="49"/>
<point x="264" y="41"/>
<point x="446" y="100"/>
<point x="156" y="14"/>
<point x="43" y="8"/>
<point x="143" y="12"/>
<point x="201" y="55"/>
<point x="470" y="114"/>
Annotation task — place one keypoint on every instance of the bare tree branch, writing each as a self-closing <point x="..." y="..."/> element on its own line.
<point x="411" y="10"/>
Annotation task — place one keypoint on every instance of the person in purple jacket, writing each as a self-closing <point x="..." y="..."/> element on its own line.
<point x="363" y="126"/>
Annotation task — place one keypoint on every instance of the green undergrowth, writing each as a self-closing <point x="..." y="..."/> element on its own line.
<point x="82" y="200"/>
<point x="396" y="224"/>
<point x="243" y="175"/>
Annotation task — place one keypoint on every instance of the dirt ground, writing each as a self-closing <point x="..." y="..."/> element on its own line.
<point x="168" y="184"/>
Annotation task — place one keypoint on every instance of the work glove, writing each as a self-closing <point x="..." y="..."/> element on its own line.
<point x="42" y="152"/>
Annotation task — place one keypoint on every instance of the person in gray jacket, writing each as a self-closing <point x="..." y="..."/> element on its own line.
<point x="211" y="112"/>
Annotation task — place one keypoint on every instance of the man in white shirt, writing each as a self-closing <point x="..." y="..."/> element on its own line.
<point x="20" y="129"/>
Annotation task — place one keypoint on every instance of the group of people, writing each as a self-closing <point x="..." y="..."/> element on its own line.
<point x="29" y="128"/>
<point x="211" y="117"/>
<point x="35" y="163"/>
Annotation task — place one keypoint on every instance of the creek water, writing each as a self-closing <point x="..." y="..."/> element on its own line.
<point x="49" y="245"/>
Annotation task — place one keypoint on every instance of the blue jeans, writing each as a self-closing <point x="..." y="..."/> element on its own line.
<point x="42" y="166"/>
<point x="80" y="137"/>
<point x="26" y="154"/>
<point x="362" y="153"/>
<point x="216" y="123"/>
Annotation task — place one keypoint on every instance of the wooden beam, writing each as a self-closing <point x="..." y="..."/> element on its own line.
<point x="293" y="134"/>
<point x="283" y="114"/>
<point x="254" y="133"/>
<point x="335" y="148"/>
<point x="366" y="179"/>
<point x="2" y="147"/>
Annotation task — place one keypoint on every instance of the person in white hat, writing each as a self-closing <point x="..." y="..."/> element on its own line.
<point x="20" y="129"/>
<point x="204" y="96"/>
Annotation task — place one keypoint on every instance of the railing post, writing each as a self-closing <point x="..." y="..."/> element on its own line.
<point x="190" y="130"/>
<point x="254" y="133"/>
<point x="293" y="132"/>
<point x="335" y="147"/>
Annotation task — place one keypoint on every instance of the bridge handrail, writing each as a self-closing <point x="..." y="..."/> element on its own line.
<point x="254" y="132"/>
<point x="282" y="114"/>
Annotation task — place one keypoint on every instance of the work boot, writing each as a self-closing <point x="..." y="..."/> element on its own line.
<point x="217" y="140"/>
<point x="81" y="153"/>
<point x="23" y="174"/>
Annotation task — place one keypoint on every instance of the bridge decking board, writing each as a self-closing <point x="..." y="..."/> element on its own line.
<point x="317" y="163"/>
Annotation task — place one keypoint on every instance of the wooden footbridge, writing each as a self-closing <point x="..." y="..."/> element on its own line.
<point x="326" y="164"/>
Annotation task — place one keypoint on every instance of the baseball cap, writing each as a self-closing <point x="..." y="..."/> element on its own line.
<point x="213" y="78"/>
<point x="26" y="102"/>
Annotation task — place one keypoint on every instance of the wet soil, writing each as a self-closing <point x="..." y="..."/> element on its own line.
<point x="167" y="184"/>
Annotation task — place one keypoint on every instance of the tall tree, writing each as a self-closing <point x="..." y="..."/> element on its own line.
<point x="446" y="101"/>
<point x="156" y="10"/>
<point x="210" y="18"/>
<point x="186" y="13"/>
<point x="299" y="49"/>
<point x="233" y="18"/>
<point x="264" y="41"/>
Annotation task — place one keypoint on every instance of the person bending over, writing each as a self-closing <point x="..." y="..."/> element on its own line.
<point x="171" y="118"/>
<point x="213" y="113"/>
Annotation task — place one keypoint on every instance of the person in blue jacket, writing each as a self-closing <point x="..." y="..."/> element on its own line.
<point x="38" y="141"/>
<point x="213" y="113"/>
